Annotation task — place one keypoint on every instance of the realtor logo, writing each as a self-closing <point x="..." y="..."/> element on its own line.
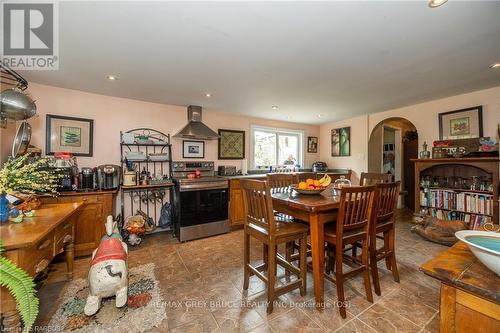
<point x="30" y="35"/>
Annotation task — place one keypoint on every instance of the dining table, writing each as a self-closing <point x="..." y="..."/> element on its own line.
<point x="316" y="210"/>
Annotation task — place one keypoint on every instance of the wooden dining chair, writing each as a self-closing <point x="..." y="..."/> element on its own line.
<point x="303" y="176"/>
<point x="353" y="224"/>
<point x="372" y="178"/>
<point x="261" y="225"/>
<point x="383" y="227"/>
<point x="280" y="182"/>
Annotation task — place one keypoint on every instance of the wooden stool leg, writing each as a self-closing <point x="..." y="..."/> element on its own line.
<point x="374" y="267"/>
<point x="271" y="276"/>
<point x="366" y="274"/>
<point x="288" y="258"/>
<point x="303" y="265"/>
<point x="339" y="277"/>
<point x="394" y="266"/>
<point x="386" y="250"/>
<point x="11" y="322"/>
<point x="246" y="261"/>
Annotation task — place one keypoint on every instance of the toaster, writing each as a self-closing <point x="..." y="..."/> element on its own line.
<point x="226" y="170"/>
<point x="319" y="166"/>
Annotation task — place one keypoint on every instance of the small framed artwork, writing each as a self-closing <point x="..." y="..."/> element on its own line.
<point x="461" y="124"/>
<point x="231" y="144"/>
<point x="69" y="134"/>
<point x="341" y="141"/>
<point x="193" y="149"/>
<point x="312" y="144"/>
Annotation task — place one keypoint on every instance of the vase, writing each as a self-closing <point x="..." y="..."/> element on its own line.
<point x="4" y="208"/>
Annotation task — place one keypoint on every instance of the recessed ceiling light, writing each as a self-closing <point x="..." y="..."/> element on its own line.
<point x="436" y="3"/>
<point x="274" y="107"/>
<point x="320" y="115"/>
<point x="495" y="65"/>
<point x="208" y="95"/>
<point x="111" y="77"/>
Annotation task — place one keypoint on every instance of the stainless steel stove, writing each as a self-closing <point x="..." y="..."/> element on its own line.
<point x="202" y="203"/>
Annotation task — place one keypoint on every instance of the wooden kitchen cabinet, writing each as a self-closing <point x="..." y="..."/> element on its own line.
<point x="89" y="224"/>
<point x="236" y="211"/>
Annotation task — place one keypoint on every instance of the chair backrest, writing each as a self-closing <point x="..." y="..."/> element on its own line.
<point x="280" y="182"/>
<point x="372" y="178"/>
<point x="356" y="209"/>
<point x="258" y="204"/>
<point x="387" y="200"/>
<point x="303" y="176"/>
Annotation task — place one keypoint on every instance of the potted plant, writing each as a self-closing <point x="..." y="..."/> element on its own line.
<point x="21" y="287"/>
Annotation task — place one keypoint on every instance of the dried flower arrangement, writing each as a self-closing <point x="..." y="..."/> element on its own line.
<point x="25" y="174"/>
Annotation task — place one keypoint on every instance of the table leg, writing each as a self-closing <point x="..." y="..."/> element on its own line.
<point x="318" y="257"/>
<point x="69" y="248"/>
<point x="11" y="321"/>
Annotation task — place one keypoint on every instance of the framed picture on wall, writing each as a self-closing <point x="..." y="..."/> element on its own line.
<point x="461" y="124"/>
<point x="312" y="144"/>
<point x="69" y="134"/>
<point x="193" y="149"/>
<point x="341" y="141"/>
<point x="231" y="144"/>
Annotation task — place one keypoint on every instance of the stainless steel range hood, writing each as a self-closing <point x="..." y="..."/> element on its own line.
<point x="195" y="129"/>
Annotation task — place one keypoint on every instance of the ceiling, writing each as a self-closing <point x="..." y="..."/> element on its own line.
<point x="318" y="62"/>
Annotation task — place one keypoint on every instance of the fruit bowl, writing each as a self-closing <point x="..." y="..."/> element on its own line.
<point x="308" y="191"/>
<point x="485" y="245"/>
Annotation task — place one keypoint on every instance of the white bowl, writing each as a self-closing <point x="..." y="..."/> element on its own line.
<point x="489" y="257"/>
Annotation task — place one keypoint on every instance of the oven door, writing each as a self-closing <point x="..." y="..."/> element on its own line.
<point x="203" y="206"/>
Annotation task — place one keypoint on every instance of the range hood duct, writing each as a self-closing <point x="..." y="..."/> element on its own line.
<point x="195" y="129"/>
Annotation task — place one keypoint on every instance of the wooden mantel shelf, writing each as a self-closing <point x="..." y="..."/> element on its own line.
<point x="456" y="160"/>
<point x="458" y="267"/>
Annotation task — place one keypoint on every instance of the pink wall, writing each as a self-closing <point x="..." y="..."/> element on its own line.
<point x="424" y="116"/>
<point x="112" y="115"/>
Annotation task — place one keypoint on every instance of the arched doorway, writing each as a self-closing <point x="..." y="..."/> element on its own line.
<point x="392" y="145"/>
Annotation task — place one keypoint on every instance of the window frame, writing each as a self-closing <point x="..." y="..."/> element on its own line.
<point x="277" y="131"/>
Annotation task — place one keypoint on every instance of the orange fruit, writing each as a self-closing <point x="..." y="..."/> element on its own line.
<point x="302" y="186"/>
<point x="316" y="183"/>
<point x="309" y="181"/>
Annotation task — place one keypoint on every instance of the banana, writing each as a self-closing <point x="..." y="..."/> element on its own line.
<point x="322" y="180"/>
<point x="325" y="181"/>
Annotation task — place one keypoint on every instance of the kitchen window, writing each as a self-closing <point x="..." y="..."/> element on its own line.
<point x="272" y="146"/>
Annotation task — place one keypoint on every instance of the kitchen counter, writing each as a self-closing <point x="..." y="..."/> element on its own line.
<point x="263" y="175"/>
<point x="69" y="193"/>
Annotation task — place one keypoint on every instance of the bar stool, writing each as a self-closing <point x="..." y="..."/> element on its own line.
<point x="373" y="178"/>
<point x="353" y="224"/>
<point x="383" y="227"/>
<point x="261" y="225"/>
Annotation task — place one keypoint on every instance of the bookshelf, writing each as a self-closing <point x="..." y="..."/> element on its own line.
<point x="458" y="189"/>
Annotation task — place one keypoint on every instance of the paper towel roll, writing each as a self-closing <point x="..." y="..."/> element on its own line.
<point x="244" y="167"/>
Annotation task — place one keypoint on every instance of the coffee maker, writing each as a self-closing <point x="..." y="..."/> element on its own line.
<point x="88" y="179"/>
<point x="108" y="176"/>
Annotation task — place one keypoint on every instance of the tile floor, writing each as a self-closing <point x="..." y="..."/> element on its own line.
<point x="205" y="277"/>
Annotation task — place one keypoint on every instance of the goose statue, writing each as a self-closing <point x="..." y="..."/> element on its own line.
<point x="108" y="275"/>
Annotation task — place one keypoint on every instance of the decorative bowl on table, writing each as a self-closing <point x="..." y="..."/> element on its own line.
<point x="307" y="191"/>
<point x="485" y="245"/>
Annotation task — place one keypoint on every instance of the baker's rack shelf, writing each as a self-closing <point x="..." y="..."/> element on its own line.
<point x="148" y="198"/>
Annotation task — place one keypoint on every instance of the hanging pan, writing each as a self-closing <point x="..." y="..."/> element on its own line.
<point x="16" y="105"/>
<point x="22" y="140"/>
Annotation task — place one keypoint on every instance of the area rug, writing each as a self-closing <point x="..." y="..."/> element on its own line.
<point x="145" y="307"/>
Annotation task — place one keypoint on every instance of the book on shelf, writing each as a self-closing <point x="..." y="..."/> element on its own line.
<point x="467" y="202"/>
<point x="475" y="221"/>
